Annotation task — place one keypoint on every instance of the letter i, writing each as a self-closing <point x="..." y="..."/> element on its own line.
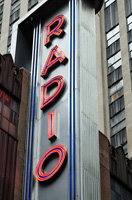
<point x="51" y="125"/>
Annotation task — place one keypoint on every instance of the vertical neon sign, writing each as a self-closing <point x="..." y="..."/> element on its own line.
<point x="53" y="29"/>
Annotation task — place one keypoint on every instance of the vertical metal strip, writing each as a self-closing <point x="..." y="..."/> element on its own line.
<point x="33" y="115"/>
<point x="30" y="114"/>
<point x="72" y="139"/>
<point x="74" y="133"/>
<point x="70" y="125"/>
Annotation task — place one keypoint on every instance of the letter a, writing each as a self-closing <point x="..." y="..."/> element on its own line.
<point x="55" y="56"/>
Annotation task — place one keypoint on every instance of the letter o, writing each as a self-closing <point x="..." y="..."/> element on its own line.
<point x="41" y="176"/>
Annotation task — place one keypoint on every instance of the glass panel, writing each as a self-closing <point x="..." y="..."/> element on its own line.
<point x="117" y="106"/>
<point x="115" y="76"/>
<point x="113" y="39"/>
<point x="14" y="106"/>
<point x="114" y="58"/>
<point x="128" y="6"/>
<point x="116" y="87"/>
<point x="118" y="127"/>
<point x="113" y="48"/>
<point x="111" y="16"/>
<point x="109" y="2"/>
<point x="32" y="3"/>
<point x="129" y="19"/>
<point x="114" y="66"/>
<point x="113" y="32"/>
<point x="130" y="26"/>
<point x="125" y="148"/>
<point x="119" y="117"/>
<point x="116" y="95"/>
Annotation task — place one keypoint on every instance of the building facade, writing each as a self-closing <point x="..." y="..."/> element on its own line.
<point x="61" y="115"/>
<point x="68" y="127"/>
<point x="114" y="75"/>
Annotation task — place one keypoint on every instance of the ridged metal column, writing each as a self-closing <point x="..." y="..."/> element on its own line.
<point x="87" y="139"/>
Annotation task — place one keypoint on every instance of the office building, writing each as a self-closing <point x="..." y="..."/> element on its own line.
<point x="114" y="72"/>
<point x="113" y="30"/>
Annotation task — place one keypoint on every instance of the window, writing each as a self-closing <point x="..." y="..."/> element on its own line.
<point x="115" y="76"/>
<point x="117" y="106"/>
<point x="108" y="2"/>
<point x="130" y="36"/>
<point x="15" y="16"/>
<point x="129" y="22"/>
<point x="111" y="16"/>
<point x="114" y="66"/>
<point x="113" y="39"/>
<point x="114" y="58"/>
<point x="131" y="64"/>
<point x="119" y="191"/>
<point x="113" y="32"/>
<point x="128" y="7"/>
<point x="113" y="48"/>
<point x="13" y="1"/>
<point x="32" y="3"/>
<point x="116" y="95"/>
<point x="116" y="87"/>
<point x="118" y="118"/>
<point x="118" y="127"/>
<point x="119" y="138"/>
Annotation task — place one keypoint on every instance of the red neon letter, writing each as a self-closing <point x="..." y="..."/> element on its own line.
<point x="59" y="80"/>
<point x="55" y="56"/>
<point x="40" y="175"/>
<point x="51" y="125"/>
<point x="53" y="28"/>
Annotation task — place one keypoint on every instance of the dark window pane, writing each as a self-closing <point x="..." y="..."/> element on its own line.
<point x="115" y="76"/>
<point x="130" y="36"/>
<point x="113" y="48"/>
<point x="111" y="16"/>
<point x="119" y="138"/>
<point x="131" y="64"/>
<point x="116" y="95"/>
<point x="14" y="118"/>
<point x="117" y="118"/>
<point x="13" y="1"/>
<point x="128" y="4"/>
<point x="32" y="3"/>
<point x="117" y="106"/>
<point x="15" y="16"/>
<point x="14" y="106"/>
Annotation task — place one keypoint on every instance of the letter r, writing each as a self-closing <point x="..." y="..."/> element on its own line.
<point x="53" y="28"/>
